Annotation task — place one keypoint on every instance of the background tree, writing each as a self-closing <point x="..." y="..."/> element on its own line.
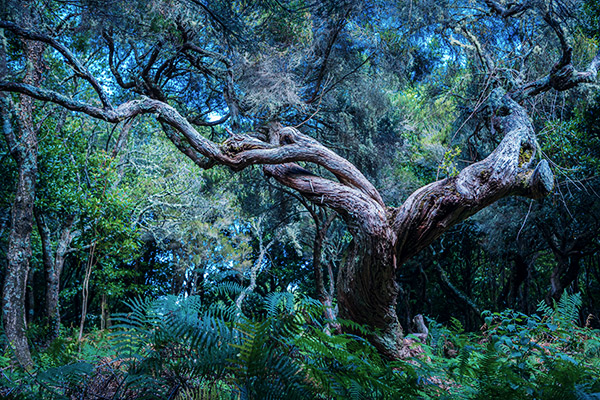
<point x="190" y="63"/>
<point x="20" y="133"/>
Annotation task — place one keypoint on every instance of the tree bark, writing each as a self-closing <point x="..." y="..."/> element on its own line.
<point x="511" y="293"/>
<point x="368" y="291"/>
<point x="104" y="313"/>
<point x="258" y="264"/>
<point x="85" y="289"/>
<point x="23" y="146"/>
<point x="383" y="237"/>
<point x="53" y="261"/>
<point x="324" y="296"/>
<point x="569" y="249"/>
<point x="563" y="275"/>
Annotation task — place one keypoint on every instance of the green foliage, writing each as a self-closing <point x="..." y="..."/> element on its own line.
<point x="591" y="14"/>
<point x="64" y="369"/>
<point x="572" y="145"/>
<point x="285" y="355"/>
<point x="519" y="356"/>
<point x="179" y="347"/>
<point x="565" y="312"/>
<point x="448" y="166"/>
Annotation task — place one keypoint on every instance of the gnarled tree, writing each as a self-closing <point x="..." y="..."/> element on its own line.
<point x="178" y="75"/>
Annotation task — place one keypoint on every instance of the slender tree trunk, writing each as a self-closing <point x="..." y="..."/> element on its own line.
<point x="53" y="260"/>
<point x="199" y="284"/>
<point x="330" y="310"/>
<point x="30" y="299"/>
<point x="23" y="146"/>
<point x="103" y="312"/>
<point x="85" y="290"/>
<point x="568" y="251"/>
<point x="450" y="289"/>
<point x="512" y="292"/>
<point x="256" y="267"/>
<point x="324" y="296"/>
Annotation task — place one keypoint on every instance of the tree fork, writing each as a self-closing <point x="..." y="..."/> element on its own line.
<point x="384" y="238"/>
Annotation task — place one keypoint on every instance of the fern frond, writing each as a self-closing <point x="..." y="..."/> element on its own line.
<point x="565" y="310"/>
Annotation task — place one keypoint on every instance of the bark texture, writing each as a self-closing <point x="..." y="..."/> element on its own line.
<point x="326" y="297"/>
<point x="53" y="257"/>
<point x="257" y="267"/>
<point x="383" y="238"/>
<point x="23" y="146"/>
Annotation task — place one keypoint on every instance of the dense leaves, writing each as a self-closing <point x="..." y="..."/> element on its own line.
<point x="191" y="281"/>
<point x="182" y="348"/>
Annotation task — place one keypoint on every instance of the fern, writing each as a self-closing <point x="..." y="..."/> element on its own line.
<point x="171" y="340"/>
<point x="64" y="381"/>
<point x="263" y="365"/>
<point x="228" y="289"/>
<point x="207" y="390"/>
<point x="565" y="311"/>
<point x="277" y="302"/>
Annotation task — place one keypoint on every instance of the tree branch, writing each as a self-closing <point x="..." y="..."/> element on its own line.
<point x="330" y="43"/>
<point x="510" y="169"/>
<point x="506" y="12"/>
<point x="453" y="290"/>
<point x="237" y="152"/>
<point x="77" y="66"/>
<point x="563" y="75"/>
<point x="560" y="79"/>
<point x="114" y="68"/>
<point x="286" y="144"/>
<point x="357" y="208"/>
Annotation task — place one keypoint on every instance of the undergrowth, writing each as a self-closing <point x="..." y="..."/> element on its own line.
<point x="178" y="348"/>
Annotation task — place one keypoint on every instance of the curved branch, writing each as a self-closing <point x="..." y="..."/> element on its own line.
<point x="238" y="152"/>
<point x="229" y="88"/>
<point x="197" y="120"/>
<point x="561" y="78"/>
<point x="357" y="208"/>
<point x="483" y="55"/>
<point x="567" y="50"/>
<point x="111" y="64"/>
<point x="563" y="75"/>
<point x="289" y="145"/>
<point x="506" y="12"/>
<point x="77" y="66"/>
<point x="339" y="26"/>
<point x="508" y="170"/>
<point x="449" y="287"/>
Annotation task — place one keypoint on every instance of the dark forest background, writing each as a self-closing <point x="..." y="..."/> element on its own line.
<point x="138" y="256"/>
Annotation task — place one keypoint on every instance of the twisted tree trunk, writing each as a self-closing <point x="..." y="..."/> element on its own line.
<point x="384" y="237"/>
